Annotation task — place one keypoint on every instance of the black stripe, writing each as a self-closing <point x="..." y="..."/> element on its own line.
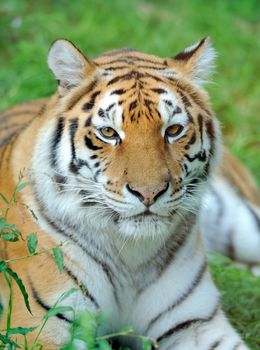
<point x="85" y="90"/>
<point x="184" y="296"/>
<point x="112" y="68"/>
<point x="162" y="259"/>
<point x="191" y="141"/>
<point x="74" y="123"/>
<point x="45" y="306"/>
<point x="56" y="227"/>
<point x="237" y="345"/>
<point x="90" y="145"/>
<point x="56" y="140"/>
<point x="184" y="99"/>
<point x="127" y="76"/>
<point x="189" y="323"/>
<point x="110" y="107"/>
<point x="118" y="92"/>
<point x="215" y="344"/>
<point x="200" y="156"/>
<point x="81" y="286"/>
<point x="254" y="214"/>
<point x="90" y="104"/>
<point x="159" y="91"/>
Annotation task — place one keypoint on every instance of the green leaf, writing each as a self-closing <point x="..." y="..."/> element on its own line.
<point x="6" y="340"/>
<point x="67" y="294"/>
<point x="103" y="345"/>
<point x="2" y="222"/>
<point x="58" y="256"/>
<point x="147" y="344"/>
<point x="21" y="287"/>
<point x="25" y="344"/>
<point x="4" y="198"/>
<point x="2" y="265"/>
<point x="32" y="241"/>
<point x="21" y="186"/>
<point x="10" y="236"/>
<point x="58" y="310"/>
<point x="21" y="330"/>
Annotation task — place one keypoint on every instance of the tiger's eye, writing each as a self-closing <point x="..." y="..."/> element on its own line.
<point x="108" y="133"/>
<point x="174" y="130"/>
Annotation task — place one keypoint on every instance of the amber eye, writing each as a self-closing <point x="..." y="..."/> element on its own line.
<point x="108" y="133"/>
<point x="174" y="130"/>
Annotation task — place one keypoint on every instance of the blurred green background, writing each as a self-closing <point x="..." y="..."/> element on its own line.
<point x="165" y="27"/>
<point x="161" y="27"/>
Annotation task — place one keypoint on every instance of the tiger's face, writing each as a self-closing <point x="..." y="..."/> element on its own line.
<point x="141" y="138"/>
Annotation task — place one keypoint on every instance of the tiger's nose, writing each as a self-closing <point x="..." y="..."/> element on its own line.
<point x="147" y="195"/>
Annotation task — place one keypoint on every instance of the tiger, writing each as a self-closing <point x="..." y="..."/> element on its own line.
<point x="128" y="175"/>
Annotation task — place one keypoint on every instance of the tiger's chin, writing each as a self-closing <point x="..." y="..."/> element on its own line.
<point x="140" y="227"/>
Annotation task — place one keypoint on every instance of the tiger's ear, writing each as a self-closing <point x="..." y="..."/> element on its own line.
<point x="197" y="61"/>
<point x="68" y="65"/>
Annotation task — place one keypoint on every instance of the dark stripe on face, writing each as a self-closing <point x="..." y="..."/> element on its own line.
<point x="159" y="91"/>
<point x="76" y="98"/>
<point x="90" y="145"/>
<point x="118" y="92"/>
<point x="201" y="156"/>
<point x="110" y="107"/>
<point x="101" y="113"/>
<point x="56" y="140"/>
<point x="191" y="141"/>
<point x="128" y="76"/>
<point x="189" y="323"/>
<point x="184" y="99"/>
<point x="90" y="104"/>
<point x="82" y="287"/>
<point x="215" y="344"/>
<point x="132" y="105"/>
<point x="88" y="122"/>
<point x="237" y="345"/>
<point x="190" y="290"/>
<point x="113" y="68"/>
<point x="45" y="306"/>
<point x="73" y="129"/>
<point x="200" y="121"/>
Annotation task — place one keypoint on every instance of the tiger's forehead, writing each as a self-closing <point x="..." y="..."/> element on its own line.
<point x="158" y="105"/>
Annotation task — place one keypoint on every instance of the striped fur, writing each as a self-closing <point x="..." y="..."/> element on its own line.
<point x="127" y="206"/>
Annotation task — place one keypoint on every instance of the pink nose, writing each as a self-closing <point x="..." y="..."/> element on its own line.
<point x="147" y="195"/>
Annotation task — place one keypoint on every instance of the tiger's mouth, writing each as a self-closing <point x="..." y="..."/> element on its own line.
<point x="144" y="216"/>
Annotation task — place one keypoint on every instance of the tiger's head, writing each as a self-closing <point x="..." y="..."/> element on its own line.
<point x="132" y="138"/>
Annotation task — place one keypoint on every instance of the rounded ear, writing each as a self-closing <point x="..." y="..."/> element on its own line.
<point x="68" y="64"/>
<point x="197" y="61"/>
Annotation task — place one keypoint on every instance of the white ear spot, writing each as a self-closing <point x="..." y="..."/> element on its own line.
<point x="198" y="60"/>
<point x="67" y="63"/>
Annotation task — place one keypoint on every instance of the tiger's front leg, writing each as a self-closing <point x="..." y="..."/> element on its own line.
<point x="212" y="334"/>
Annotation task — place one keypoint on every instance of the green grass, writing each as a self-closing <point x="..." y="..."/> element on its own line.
<point x="240" y="297"/>
<point x="28" y="27"/>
